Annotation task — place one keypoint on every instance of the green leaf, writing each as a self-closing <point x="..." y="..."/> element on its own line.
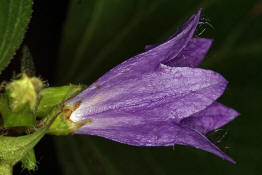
<point x="14" y="18"/>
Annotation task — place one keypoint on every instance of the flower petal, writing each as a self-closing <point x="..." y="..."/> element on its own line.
<point x="168" y="92"/>
<point x="193" y="54"/>
<point x="186" y="25"/>
<point x="123" y="128"/>
<point x="211" y="118"/>
<point x="150" y="60"/>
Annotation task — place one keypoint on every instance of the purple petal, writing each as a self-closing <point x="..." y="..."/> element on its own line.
<point x="150" y="60"/>
<point x="168" y="92"/>
<point x="193" y="51"/>
<point x="180" y="30"/>
<point x="211" y="118"/>
<point x="123" y="128"/>
<point x="193" y="54"/>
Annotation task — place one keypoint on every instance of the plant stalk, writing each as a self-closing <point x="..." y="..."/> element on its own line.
<point x="5" y="169"/>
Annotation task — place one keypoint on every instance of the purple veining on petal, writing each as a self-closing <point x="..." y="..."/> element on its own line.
<point x="169" y="92"/>
<point x="150" y="60"/>
<point x="158" y="98"/>
<point x="211" y="118"/>
<point x="160" y="133"/>
<point x="193" y="54"/>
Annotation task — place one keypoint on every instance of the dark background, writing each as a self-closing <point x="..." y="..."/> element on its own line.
<point x="77" y="41"/>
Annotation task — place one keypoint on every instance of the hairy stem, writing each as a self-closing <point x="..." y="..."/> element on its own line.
<point x="5" y="169"/>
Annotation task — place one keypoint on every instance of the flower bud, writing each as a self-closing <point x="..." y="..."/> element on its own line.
<point x="19" y="102"/>
<point x="22" y="91"/>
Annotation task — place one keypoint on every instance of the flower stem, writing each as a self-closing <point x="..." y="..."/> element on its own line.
<point x="5" y="169"/>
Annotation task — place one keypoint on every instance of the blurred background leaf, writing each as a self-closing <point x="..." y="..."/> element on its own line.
<point x="99" y="34"/>
<point x="14" y="18"/>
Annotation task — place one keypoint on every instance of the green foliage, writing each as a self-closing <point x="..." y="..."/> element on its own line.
<point x="14" y="17"/>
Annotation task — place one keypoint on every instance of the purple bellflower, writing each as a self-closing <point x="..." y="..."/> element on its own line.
<point x="159" y="97"/>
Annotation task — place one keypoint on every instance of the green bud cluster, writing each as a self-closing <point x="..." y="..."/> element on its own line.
<point x="19" y="102"/>
<point x="28" y="111"/>
<point x="22" y="91"/>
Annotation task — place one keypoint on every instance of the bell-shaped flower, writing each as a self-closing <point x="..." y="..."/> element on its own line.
<point x="159" y="97"/>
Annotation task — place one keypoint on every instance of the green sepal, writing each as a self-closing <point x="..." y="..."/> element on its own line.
<point x="62" y="125"/>
<point x="29" y="160"/>
<point x="24" y="117"/>
<point x="54" y="96"/>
